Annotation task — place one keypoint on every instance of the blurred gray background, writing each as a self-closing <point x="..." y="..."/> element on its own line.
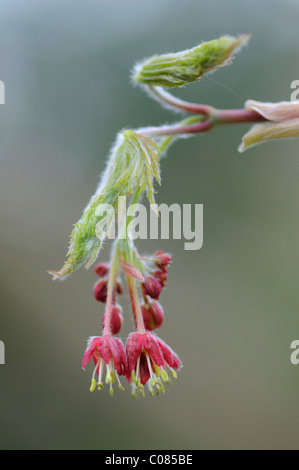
<point x="231" y="308"/>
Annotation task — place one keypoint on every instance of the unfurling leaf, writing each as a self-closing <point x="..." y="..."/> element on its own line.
<point x="181" y="68"/>
<point x="131" y="169"/>
<point x="270" y="131"/>
<point x="277" y="112"/>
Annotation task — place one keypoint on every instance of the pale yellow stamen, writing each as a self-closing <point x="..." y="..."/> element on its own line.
<point x="93" y="385"/>
<point x="93" y="380"/>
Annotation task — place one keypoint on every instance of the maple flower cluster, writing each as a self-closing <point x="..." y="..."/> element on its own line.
<point x="146" y="358"/>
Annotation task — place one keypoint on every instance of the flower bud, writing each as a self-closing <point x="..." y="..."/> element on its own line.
<point x="119" y="287"/>
<point x="102" y="269"/>
<point x="116" y="320"/>
<point x="153" y="315"/>
<point x="152" y="287"/>
<point x="161" y="277"/>
<point x="162" y="260"/>
<point x="175" y="70"/>
<point x="100" y="291"/>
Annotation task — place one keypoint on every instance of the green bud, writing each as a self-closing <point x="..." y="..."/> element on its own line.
<point x="132" y="167"/>
<point x="181" y="68"/>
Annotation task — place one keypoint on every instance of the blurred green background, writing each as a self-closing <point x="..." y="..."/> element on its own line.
<point x="231" y="308"/>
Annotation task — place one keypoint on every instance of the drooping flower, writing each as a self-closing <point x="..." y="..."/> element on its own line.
<point x="148" y="357"/>
<point x="106" y="351"/>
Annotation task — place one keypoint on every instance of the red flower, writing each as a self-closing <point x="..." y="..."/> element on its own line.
<point x="148" y="358"/>
<point x="110" y="351"/>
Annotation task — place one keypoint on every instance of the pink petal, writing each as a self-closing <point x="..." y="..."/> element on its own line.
<point x="152" y="347"/>
<point x="103" y="348"/>
<point x="169" y="355"/>
<point x="144" y="370"/>
<point x="89" y="350"/>
<point x="133" y="348"/>
<point x="119" y="355"/>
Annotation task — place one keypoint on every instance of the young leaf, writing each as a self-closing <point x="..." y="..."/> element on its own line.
<point x="131" y="169"/>
<point x="181" y="68"/>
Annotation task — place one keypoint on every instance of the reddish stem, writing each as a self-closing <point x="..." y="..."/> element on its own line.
<point x="217" y="117"/>
<point x="138" y="318"/>
<point x="203" y="126"/>
<point x="132" y="302"/>
<point x="145" y="299"/>
<point x="111" y="292"/>
<point x="176" y="103"/>
<point x="109" y="307"/>
<point x="235" y="116"/>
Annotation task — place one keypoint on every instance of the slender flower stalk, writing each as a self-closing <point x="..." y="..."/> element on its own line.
<point x="111" y="290"/>
<point x="136" y="308"/>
